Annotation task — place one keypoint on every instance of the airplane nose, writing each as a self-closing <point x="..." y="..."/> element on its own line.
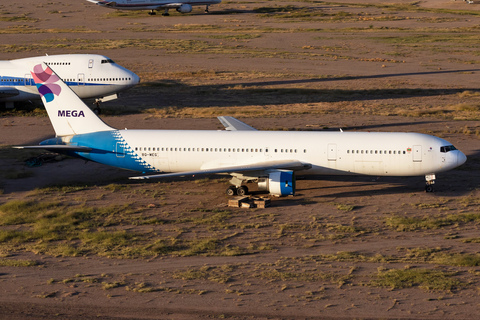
<point x="461" y="158"/>
<point x="135" y="79"/>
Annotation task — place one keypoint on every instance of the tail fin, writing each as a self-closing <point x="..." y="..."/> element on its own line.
<point x="67" y="112"/>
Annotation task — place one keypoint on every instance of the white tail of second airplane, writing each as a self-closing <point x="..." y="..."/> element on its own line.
<point x="67" y="112"/>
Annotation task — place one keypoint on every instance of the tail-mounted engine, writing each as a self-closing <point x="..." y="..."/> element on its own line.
<point x="279" y="183"/>
<point x="184" y="8"/>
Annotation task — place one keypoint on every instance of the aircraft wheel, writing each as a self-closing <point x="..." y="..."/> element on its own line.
<point x="231" y="191"/>
<point x="428" y="188"/>
<point x="242" y="190"/>
<point x="152" y="13"/>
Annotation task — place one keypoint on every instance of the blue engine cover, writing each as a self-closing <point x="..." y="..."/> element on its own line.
<point x="281" y="183"/>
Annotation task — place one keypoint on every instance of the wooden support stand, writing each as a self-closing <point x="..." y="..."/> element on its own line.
<point x="246" y="202"/>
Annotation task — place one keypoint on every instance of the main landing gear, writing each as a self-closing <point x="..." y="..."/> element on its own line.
<point x="166" y="14"/>
<point x="206" y="9"/>
<point x="430" y="178"/>
<point x="233" y="190"/>
<point x="97" y="109"/>
<point x="152" y="13"/>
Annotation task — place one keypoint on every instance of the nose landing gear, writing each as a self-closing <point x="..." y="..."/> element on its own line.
<point x="430" y="178"/>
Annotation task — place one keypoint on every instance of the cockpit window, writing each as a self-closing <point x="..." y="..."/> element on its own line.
<point x="447" y="149"/>
<point x="107" y="61"/>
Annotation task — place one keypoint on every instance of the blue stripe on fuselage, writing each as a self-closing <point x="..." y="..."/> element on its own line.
<point x="109" y="147"/>
<point x="21" y="82"/>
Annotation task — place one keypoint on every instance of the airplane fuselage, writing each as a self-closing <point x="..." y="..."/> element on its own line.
<point x="184" y="6"/>
<point x="329" y="153"/>
<point x="151" y="4"/>
<point x="88" y="75"/>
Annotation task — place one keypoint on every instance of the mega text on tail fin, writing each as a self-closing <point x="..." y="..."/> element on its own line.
<point x="67" y="112"/>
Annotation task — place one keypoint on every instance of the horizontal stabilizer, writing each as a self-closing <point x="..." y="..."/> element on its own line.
<point x="56" y="147"/>
<point x="260" y="166"/>
<point x="232" y="124"/>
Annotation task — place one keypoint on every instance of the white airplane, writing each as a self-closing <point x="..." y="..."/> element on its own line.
<point x="270" y="158"/>
<point x="89" y="75"/>
<point x="184" y="6"/>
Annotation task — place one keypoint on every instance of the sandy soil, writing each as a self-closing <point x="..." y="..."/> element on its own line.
<point x="355" y="72"/>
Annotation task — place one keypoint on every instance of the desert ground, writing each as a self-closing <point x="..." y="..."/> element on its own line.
<point x="80" y="241"/>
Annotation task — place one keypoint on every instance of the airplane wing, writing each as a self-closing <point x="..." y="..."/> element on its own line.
<point x="259" y="166"/>
<point x="6" y="92"/>
<point x="56" y="147"/>
<point x="232" y="124"/>
<point x="104" y="3"/>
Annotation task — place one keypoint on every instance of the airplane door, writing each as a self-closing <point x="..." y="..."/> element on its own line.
<point x="28" y="80"/>
<point x="332" y="152"/>
<point x="417" y="153"/>
<point x="90" y="63"/>
<point x="120" y="152"/>
<point x="81" y="79"/>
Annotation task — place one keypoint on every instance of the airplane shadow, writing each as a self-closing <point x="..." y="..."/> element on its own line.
<point x="165" y="93"/>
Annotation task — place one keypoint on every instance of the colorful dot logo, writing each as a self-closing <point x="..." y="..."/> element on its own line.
<point x="45" y="82"/>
